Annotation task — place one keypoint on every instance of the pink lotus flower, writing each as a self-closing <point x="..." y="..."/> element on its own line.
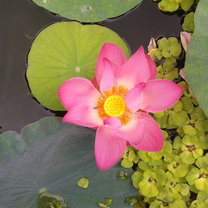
<point x="117" y="102"/>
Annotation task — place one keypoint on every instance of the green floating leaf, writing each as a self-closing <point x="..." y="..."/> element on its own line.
<point x="168" y="5"/>
<point x="186" y="4"/>
<point x="62" y="51"/>
<point x="196" y="60"/>
<point x="88" y="10"/>
<point x="188" y="24"/>
<point x="50" y="157"/>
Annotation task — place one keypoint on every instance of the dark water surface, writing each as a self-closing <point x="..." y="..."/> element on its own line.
<point x="21" y="20"/>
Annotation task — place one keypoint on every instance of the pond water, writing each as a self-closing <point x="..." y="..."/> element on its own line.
<point x="22" y="20"/>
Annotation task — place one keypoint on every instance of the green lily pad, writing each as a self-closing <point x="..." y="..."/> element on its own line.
<point x="54" y="156"/>
<point x="88" y="10"/>
<point x="196" y="68"/>
<point x="62" y="51"/>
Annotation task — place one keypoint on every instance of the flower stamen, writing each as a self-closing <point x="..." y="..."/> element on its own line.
<point x="112" y="104"/>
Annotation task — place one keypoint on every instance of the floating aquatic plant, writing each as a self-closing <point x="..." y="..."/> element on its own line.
<point x="177" y="176"/>
<point x="174" y="5"/>
<point x="188" y="24"/>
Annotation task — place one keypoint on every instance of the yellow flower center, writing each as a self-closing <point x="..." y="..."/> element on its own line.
<point x="114" y="106"/>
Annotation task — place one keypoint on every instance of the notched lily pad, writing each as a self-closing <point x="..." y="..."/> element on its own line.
<point x="42" y="165"/>
<point x="62" y="51"/>
<point x="88" y="10"/>
<point x="196" y="69"/>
